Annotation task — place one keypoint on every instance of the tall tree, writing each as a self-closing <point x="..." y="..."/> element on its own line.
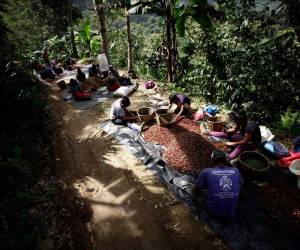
<point x="125" y="4"/>
<point x="175" y="13"/>
<point x="129" y="40"/>
<point x="164" y="8"/>
<point x="72" y="36"/>
<point x="100" y="9"/>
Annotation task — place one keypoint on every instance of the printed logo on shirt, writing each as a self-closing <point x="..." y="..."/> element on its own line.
<point x="225" y="183"/>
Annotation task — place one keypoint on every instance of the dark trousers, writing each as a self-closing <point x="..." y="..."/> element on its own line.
<point x="118" y="121"/>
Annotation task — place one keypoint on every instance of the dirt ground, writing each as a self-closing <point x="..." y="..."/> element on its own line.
<point x="131" y="208"/>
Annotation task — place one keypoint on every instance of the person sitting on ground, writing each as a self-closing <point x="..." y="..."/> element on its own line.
<point x="94" y="71"/>
<point x="183" y="104"/>
<point x="56" y="67"/>
<point x="44" y="72"/>
<point x="124" y="80"/>
<point x="69" y="63"/>
<point x="245" y="135"/>
<point x="221" y="186"/>
<point x="132" y="74"/>
<point x="119" y="115"/>
<point x="77" y="92"/>
<point x="80" y="76"/>
<point x="74" y="86"/>
<point x="112" y="72"/>
<point x="88" y="85"/>
<point x="112" y="84"/>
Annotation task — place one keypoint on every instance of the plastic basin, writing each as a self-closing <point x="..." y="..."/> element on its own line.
<point x="295" y="169"/>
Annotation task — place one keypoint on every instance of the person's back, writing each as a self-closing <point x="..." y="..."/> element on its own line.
<point x="223" y="185"/>
<point x="80" y="76"/>
<point x="183" y="99"/>
<point x="117" y="110"/>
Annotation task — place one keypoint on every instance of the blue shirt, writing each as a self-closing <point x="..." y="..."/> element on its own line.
<point x="223" y="185"/>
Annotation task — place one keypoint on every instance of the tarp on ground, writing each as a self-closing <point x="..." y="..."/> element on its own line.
<point x="251" y="228"/>
<point x="99" y="96"/>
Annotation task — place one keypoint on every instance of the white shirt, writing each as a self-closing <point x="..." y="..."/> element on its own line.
<point x="116" y="110"/>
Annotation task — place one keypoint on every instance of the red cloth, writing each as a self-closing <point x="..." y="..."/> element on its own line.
<point x="113" y="87"/>
<point x="82" y="96"/>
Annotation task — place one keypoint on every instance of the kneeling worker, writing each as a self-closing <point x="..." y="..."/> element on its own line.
<point x="119" y="115"/>
<point x="223" y="184"/>
<point x="183" y="105"/>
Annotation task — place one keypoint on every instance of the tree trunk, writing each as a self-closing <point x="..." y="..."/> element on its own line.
<point x="73" y="44"/>
<point x="174" y="51"/>
<point x="171" y="51"/>
<point x="129" y="43"/>
<point x="100" y="10"/>
<point x="169" y="46"/>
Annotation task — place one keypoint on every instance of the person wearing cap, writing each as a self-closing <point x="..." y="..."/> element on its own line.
<point x="245" y="136"/>
<point x="223" y="184"/>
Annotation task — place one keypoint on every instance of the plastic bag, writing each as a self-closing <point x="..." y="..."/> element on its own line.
<point x="212" y="110"/>
<point x="266" y="134"/>
<point x="125" y="90"/>
<point x="199" y="115"/>
<point x="103" y="63"/>
<point x="149" y="85"/>
<point x="274" y="150"/>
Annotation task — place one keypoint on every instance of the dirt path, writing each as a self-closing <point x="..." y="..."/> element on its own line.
<point x="131" y="208"/>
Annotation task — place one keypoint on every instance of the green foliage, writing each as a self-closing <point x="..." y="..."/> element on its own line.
<point x="290" y="123"/>
<point x="58" y="47"/>
<point x="118" y="38"/>
<point x="87" y="43"/>
<point x="243" y="63"/>
<point x="146" y="44"/>
<point x="85" y="34"/>
<point x="197" y="9"/>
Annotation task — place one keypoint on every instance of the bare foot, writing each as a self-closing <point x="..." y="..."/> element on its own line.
<point x="203" y="130"/>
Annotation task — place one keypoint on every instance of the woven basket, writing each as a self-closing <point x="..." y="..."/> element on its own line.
<point x="251" y="170"/>
<point x="146" y="114"/>
<point x="163" y="117"/>
<point x="216" y="123"/>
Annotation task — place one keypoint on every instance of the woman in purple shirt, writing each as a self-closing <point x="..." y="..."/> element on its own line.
<point x="183" y="104"/>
